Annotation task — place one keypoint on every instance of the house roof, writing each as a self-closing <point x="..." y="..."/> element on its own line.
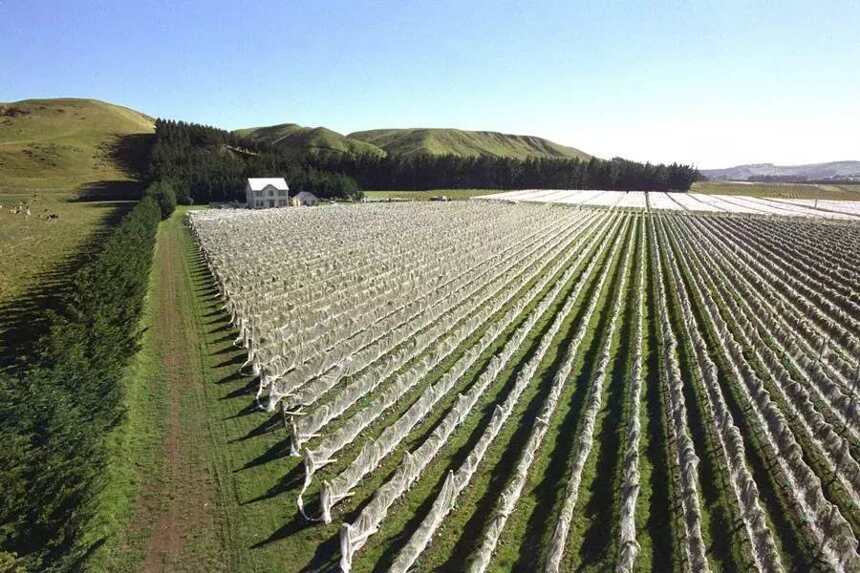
<point x="260" y="183"/>
<point x="305" y="195"/>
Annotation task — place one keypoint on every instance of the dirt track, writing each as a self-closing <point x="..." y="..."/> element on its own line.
<point x="183" y="525"/>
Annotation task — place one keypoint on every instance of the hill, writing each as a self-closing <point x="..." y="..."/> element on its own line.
<point x="296" y="139"/>
<point x="837" y="170"/>
<point x="66" y="144"/>
<point x="464" y="143"/>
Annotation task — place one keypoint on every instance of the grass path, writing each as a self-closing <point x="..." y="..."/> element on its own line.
<point x="214" y="482"/>
<point x="174" y="523"/>
<point x="188" y="490"/>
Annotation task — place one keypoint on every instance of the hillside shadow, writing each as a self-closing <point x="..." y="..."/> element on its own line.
<point x="131" y="153"/>
<point x="109" y="190"/>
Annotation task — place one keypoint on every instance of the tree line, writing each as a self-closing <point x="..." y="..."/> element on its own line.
<point x="209" y="164"/>
<point x="453" y="172"/>
<point x="59" y="404"/>
<point x="206" y="164"/>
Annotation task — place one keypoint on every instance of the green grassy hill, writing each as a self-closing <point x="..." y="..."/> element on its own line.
<point x="50" y="151"/>
<point x="65" y="144"/>
<point x="297" y="139"/>
<point x="464" y="143"/>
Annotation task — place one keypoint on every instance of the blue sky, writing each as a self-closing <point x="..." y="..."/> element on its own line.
<point x="715" y="84"/>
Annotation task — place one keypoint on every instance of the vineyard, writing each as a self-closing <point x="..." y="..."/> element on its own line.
<point x="689" y="202"/>
<point x="485" y="385"/>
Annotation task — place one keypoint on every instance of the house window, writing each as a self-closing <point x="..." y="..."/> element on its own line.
<point x="258" y="193"/>
<point x="271" y="192"/>
<point x="282" y="192"/>
<point x="271" y="202"/>
<point x="259" y="203"/>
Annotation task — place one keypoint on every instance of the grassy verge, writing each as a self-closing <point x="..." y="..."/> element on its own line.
<point x="134" y="450"/>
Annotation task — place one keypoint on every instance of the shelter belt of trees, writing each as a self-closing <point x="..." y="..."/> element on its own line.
<point x="209" y="164"/>
<point x="58" y="407"/>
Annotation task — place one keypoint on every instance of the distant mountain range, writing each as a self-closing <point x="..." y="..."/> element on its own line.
<point x="836" y="170"/>
<point x="299" y="140"/>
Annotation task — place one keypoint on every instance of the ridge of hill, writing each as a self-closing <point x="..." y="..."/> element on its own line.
<point x="440" y="141"/>
<point x="297" y="139"/>
<point x="68" y="143"/>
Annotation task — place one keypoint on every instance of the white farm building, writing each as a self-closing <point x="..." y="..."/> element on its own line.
<point x="264" y="192"/>
<point x="305" y="199"/>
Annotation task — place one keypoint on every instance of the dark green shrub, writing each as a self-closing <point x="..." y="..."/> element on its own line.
<point x="55" y="414"/>
<point x="184" y="198"/>
<point x="164" y="195"/>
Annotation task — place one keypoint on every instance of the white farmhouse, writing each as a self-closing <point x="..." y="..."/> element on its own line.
<point x="263" y="192"/>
